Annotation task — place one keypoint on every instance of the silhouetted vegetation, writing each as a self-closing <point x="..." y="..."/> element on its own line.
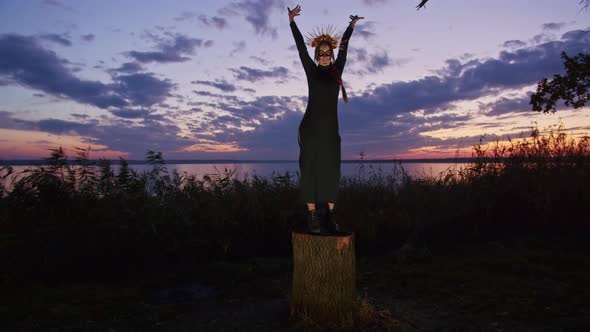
<point x="573" y="87"/>
<point x="83" y="219"/>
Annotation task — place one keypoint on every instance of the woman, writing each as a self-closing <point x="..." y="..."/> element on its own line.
<point x="319" y="140"/>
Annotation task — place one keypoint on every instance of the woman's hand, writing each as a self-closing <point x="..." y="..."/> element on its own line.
<point x="293" y="12"/>
<point x="354" y="19"/>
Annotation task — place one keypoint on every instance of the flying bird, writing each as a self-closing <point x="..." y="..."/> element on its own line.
<point x="421" y="4"/>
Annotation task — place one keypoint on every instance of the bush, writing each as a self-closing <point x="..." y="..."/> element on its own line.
<point x="82" y="219"/>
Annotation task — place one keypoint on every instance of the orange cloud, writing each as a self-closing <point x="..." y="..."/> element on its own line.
<point x="24" y="144"/>
<point x="214" y="148"/>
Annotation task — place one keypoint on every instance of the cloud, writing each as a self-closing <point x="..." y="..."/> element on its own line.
<point x="60" y="127"/>
<point x="222" y="85"/>
<point x="553" y="26"/>
<point x="215" y="95"/>
<point x="54" y="126"/>
<point x="364" y="63"/>
<point x="239" y="47"/>
<point x="261" y="61"/>
<point x="186" y="16"/>
<point x="88" y="37"/>
<point x="514" y="44"/>
<point x="579" y="36"/>
<point x="80" y="116"/>
<point x="542" y="38"/>
<point x="130" y="113"/>
<point x="62" y="40"/>
<point x="358" y="54"/>
<point x="27" y="63"/>
<point x="379" y="60"/>
<point x="24" y="61"/>
<point x="374" y="2"/>
<point x="385" y="119"/>
<point x="253" y="74"/>
<point x="58" y="4"/>
<point x="453" y="67"/>
<point x="506" y="105"/>
<point x="134" y="137"/>
<point x="172" y="50"/>
<point x="137" y="139"/>
<point x="366" y="30"/>
<point x="215" y="21"/>
<point x="53" y="3"/>
<point x="209" y="21"/>
<point x="379" y="114"/>
<point x="8" y="121"/>
<point x="248" y="113"/>
<point x="143" y="89"/>
<point x="257" y="13"/>
<point x="129" y="67"/>
<point x="274" y="138"/>
<point x="392" y="118"/>
<point x="275" y="119"/>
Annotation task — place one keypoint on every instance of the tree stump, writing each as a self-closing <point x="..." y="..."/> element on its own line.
<point x="324" y="278"/>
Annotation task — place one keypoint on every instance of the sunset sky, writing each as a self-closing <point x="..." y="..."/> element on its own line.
<point x="222" y="79"/>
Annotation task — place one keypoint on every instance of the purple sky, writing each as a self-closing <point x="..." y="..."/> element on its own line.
<point x="222" y="79"/>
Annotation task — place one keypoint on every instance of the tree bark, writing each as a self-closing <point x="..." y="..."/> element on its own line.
<point x="324" y="278"/>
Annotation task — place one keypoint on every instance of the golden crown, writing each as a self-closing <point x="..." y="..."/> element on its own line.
<point x="324" y="34"/>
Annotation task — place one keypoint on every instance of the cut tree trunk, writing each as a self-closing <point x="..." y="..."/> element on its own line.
<point x="324" y="278"/>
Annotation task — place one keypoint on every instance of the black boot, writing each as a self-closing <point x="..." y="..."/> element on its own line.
<point x="332" y="224"/>
<point x="326" y="226"/>
<point x="313" y="222"/>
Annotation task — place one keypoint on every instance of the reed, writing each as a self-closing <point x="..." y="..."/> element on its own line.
<point x="73" y="219"/>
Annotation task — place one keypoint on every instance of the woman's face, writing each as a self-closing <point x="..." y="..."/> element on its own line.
<point x="325" y="55"/>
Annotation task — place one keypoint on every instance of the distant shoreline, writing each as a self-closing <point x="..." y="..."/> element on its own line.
<point x="24" y="162"/>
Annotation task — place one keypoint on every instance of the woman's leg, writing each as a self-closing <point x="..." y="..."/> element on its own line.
<point x="307" y="168"/>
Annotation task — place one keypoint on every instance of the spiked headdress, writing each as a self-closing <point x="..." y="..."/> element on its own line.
<point x="322" y="34"/>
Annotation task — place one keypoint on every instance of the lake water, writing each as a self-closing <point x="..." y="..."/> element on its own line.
<point x="267" y="169"/>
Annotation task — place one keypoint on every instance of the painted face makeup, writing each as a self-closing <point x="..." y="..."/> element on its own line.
<point x="325" y="53"/>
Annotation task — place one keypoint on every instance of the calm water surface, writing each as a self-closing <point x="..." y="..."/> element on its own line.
<point x="247" y="170"/>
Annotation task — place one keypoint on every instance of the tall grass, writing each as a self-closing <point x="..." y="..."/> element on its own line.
<point x="72" y="219"/>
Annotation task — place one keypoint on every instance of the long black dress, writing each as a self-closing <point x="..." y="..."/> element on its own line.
<point x="319" y="139"/>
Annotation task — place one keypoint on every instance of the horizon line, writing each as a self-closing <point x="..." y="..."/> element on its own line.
<point x="25" y="162"/>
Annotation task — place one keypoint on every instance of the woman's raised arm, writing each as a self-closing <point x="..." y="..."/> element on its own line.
<point x="306" y="60"/>
<point x="343" y="49"/>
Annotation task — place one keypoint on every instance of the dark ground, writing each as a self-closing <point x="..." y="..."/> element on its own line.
<point x="519" y="284"/>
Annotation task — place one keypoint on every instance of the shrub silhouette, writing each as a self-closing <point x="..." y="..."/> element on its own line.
<point x="80" y="219"/>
